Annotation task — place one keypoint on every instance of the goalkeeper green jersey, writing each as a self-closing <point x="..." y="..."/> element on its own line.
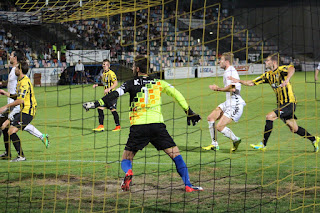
<point x="145" y="99"/>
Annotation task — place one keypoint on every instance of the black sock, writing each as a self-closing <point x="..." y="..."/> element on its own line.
<point x="267" y="131"/>
<point x="101" y="116"/>
<point x="16" y="143"/>
<point x="6" y="141"/>
<point x="303" y="133"/>
<point x="116" y="118"/>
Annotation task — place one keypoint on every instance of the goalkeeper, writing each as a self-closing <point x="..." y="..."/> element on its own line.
<point x="147" y="124"/>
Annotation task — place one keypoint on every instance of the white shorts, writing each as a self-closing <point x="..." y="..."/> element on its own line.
<point x="14" y="111"/>
<point x="232" y="110"/>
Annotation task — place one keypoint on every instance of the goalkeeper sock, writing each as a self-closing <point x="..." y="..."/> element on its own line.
<point x="213" y="132"/>
<point x="267" y="131"/>
<point x="182" y="170"/>
<point x="303" y="133"/>
<point x="101" y="116"/>
<point x="126" y="165"/>
<point x="16" y="143"/>
<point x="33" y="131"/>
<point x="116" y="118"/>
<point x="229" y="134"/>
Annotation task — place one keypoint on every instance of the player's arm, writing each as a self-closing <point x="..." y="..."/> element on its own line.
<point x="100" y="84"/>
<point x="291" y="71"/>
<point x="3" y="83"/>
<point x="316" y="74"/>
<point x="173" y="92"/>
<point x="229" y="88"/>
<point x="244" y="82"/>
<point x="13" y="96"/>
<point x="15" y="103"/>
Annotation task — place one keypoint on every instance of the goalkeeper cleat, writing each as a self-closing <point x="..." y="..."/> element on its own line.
<point x="125" y="185"/>
<point x="193" y="188"/>
<point x="88" y="105"/>
<point x="236" y="144"/>
<point x="118" y="128"/>
<point x="100" y="128"/>
<point x="211" y="147"/>
<point x="316" y="144"/>
<point x="45" y="140"/>
<point x="19" y="158"/>
<point x="259" y="146"/>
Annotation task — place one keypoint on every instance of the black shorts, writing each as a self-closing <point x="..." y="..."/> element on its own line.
<point x="21" y="120"/>
<point x="156" y="134"/>
<point x="3" y="118"/>
<point x="286" y="112"/>
<point x="111" y="105"/>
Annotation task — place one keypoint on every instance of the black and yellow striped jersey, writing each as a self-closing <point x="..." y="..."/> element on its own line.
<point x="108" y="79"/>
<point x="25" y="91"/>
<point x="275" y="78"/>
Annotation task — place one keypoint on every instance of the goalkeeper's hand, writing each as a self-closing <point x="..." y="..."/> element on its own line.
<point x="88" y="105"/>
<point x="192" y="117"/>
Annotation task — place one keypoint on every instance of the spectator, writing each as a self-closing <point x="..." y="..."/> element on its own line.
<point x="79" y="69"/>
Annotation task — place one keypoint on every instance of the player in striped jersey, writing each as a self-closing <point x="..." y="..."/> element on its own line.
<point x="16" y="56"/>
<point x="279" y="79"/>
<point x="110" y="82"/>
<point x="23" y="97"/>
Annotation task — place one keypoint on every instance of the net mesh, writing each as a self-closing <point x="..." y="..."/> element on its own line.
<point x="81" y="170"/>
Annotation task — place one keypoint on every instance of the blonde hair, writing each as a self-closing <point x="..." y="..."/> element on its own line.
<point x="228" y="56"/>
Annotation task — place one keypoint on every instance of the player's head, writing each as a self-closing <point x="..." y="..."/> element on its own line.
<point x="22" y="68"/>
<point x="140" y="65"/>
<point x="17" y="56"/>
<point x="226" y="60"/>
<point x="272" y="62"/>
<point x="106" y="64"/>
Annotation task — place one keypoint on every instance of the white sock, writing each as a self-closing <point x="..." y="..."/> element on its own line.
<point x="212" y="133"/>
<point x="33" y="131"/>
<point x="229" y="134"/>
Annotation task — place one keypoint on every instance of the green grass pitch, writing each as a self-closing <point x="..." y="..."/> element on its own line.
<point x="80" y="172"/>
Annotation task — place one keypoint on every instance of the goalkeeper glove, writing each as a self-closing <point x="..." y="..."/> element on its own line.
<point x="88" y="105"/>
<point x="192" y="117"/>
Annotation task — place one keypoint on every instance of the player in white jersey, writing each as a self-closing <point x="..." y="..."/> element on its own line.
<point x="228" y="111"/>
<point x="15" y="57"/>
<point x="317" y="72"/>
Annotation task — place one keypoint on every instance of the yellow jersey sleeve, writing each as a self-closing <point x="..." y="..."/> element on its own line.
<point x="113" y="76"/>
<point x="261" y="79"/>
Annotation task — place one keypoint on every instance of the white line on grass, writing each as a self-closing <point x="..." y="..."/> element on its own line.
<point x="150" y="163"/>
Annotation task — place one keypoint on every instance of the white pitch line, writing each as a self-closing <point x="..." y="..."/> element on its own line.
<point x="150" y="163"/>
<point x="91" y="161"/>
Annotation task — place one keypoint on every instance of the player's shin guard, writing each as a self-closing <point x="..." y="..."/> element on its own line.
<point x="267" y="131"/>
<point x="16" y="143"/>
<point x="213" y="133"/>
<point x="126" y="165"/>
<point x="182" y="170"/>
<point x="116" y="118"/>
<point x="304" y="133"/>
<point x="101" y="116"/>
<point x="229" y="134"/>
